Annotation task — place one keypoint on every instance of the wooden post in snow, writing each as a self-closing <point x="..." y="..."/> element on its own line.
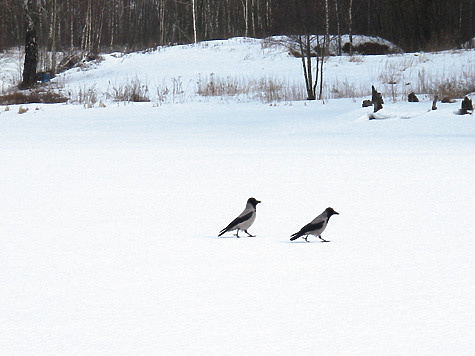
<point x="377" y="99"/>
<point x="434" y="102"/>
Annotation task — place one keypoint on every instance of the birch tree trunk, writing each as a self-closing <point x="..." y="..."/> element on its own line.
<point x="53" y="31"/>
<point x="98" y="35"/>
<point x="71" y="29"/>
<point x="322" y="57"/>
<point x="338" y="32"/>
<point x="350" y="25"/>
<point x="87" y="31"/>
<point x="195" y="37"/>
<point x="253" y="17"/>
<point x="245" y="4"/>
<point x="327" y="25"/>
<point x="307" y="64"/>
<point x="161" y="21"/>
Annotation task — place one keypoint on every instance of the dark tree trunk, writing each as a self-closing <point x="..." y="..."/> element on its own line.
<point x="434" y="102"/>
<point x="31" y="46"/>
<point x="350" y="26"/>
<point x="31" y="59"/>
<point x="305" y="53"/>
<point x="467" y="106"/>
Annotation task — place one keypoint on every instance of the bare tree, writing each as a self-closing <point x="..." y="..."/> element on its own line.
<point x="94" y="25"/>
<point x="31" y="8"/>
<point x="52" y="35"/>
<point x="338" y="32"/>
<point x="86" y="42"/>
<point x="324" y="48"/>
<point x="304" y="42"/>
<point x="327" y="23"/>
<point x="193" y="5"/>
<point x="245" y="5"/>
<point x="311" y="51"/>
<point x="350" y="25"/>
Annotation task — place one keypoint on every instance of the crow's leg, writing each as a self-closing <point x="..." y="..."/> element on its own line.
<point x="323" y="240"/>
<point x="249" y="234"/>
<point x="237" y="233"/>
<point x="306" y="238"/>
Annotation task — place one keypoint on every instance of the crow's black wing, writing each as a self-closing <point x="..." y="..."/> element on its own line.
<point x="307" y="229"/>
<point x="235" y="222"/>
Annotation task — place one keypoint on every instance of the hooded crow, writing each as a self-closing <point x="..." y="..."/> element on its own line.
<point x="316" y="226"/>
<point x="244" y="220"/>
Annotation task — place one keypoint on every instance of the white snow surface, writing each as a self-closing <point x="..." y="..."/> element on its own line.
<point x="180" y="71"/>
<point x="109" y="220"/>
<point x="11" y="64"/>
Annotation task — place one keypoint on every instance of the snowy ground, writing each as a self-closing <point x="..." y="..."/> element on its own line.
<point x="11" y="64"/>
<point x="109" y="217"/>
<point x="176" y="74"/>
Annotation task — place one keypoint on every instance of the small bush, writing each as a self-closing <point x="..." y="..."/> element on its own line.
<point x="264" y="89"/>
<point x="162" y="93"/>
<point x="356" y="59"/>
<point x="337" y="89"/>
<point x="131" y="91"/>
<point x="454" y="88"/>
<point x="22" y="110"/>
<point x="35" y="96"/>
<point x="86" y="95"/>
<point x="449" y="87"/>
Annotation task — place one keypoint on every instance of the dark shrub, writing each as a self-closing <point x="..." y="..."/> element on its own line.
<point x="412" y="98"/>
<point x="367" y="48"/>
<point x="35" y="96"/>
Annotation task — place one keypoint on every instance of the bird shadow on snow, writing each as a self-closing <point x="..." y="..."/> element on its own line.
<point x="304" y="242"/>
<point x="225" y="237"/>
<point x="299" y="242"/>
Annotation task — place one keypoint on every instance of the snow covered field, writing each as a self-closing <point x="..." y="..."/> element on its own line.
<point x="109" y="218"/>
<point x="177" y="74"/>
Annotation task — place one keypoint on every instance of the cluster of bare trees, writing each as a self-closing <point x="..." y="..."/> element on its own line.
<point x="418" y="24"/>
<point x="134" y="24"/>
<point x="95" y="25"/>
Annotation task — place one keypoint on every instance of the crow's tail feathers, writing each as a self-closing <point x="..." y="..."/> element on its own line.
<point x="222" y="232"/>
<point x="295" y="236"/>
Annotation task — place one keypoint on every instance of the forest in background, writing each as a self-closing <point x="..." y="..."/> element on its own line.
<point x="128" y="25"/>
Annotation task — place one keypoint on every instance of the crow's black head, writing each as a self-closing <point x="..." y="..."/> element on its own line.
<point x="331" y="212"/>
<point x="253" y="202"/>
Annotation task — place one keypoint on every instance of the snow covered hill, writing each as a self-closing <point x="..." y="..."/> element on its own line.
<point x="109" y="215"/>
<point x="247" y="69"/>
<point x="181" y="73"/>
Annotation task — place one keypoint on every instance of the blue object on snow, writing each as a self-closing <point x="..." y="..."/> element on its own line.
<point x="45" y="77"/>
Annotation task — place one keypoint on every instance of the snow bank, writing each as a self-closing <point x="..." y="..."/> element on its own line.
<point x="259" y="70"/>
<point x="109" y="217"/>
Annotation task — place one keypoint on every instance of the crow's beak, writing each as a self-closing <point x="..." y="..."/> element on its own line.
<point x="258" y="201"/>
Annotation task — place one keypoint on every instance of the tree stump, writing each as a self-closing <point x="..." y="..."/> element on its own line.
<point x="434" y="102"/>
<point x="412" y="98"/>
<point x="377" y="99"/>
<point x="367" y="103"/>
<point x="466" y="106"/>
